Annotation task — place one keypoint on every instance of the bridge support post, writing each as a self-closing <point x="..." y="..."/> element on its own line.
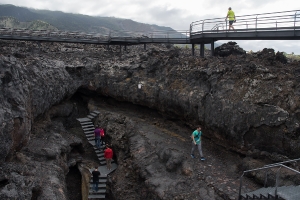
<point x="120" y="48"/>
<point x="212" y="48"/>
<point x="125" y="47"/>
<point x="145" y="47"/>
<point x="202" y="50"/>
<point x="39" y="45"/>
<point x="193" y="49"/>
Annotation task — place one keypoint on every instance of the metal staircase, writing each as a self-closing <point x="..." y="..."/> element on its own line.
<point x="88" y="129"/>
<point x="281" y="182"/>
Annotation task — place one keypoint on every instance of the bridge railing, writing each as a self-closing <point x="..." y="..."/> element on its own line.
<point x="274" y="178"/>
<point x="153" y="34"/>
<point x="286" y="20"/>
<point x="76" y="35"/>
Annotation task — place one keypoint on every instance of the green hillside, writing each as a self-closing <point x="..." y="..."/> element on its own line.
<point x="69" y="21"/>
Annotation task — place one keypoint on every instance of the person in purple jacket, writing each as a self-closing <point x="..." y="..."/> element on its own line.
<point x="97" y="137"/>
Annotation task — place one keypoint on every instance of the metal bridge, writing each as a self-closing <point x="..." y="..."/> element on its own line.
<point x="267" y="26"/>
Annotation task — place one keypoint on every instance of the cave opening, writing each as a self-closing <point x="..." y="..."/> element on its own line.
<point x="73" y="180"/>
<point x="3" y="182"/>
<point x="36" y="192"/>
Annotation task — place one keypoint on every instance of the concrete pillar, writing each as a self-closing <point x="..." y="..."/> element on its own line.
<point x="212" y="48"/>
<point x="125" y="47"/>
<point x="120" y="48"/>
<point x="145" y="46"/>
<point x="193" y="49"/>
<point x="202" y="50"/>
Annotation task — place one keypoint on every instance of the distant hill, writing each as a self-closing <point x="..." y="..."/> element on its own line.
<point x="11" y="22"/>
<point x="21" y="17"/>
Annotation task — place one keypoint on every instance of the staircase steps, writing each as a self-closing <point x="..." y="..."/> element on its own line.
<point x="96" y="196"/>
<point x="88" y="129"/>
<point x="284" y="192"/>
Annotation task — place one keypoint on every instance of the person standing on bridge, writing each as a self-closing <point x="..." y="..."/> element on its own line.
<point x="231" y="18"/>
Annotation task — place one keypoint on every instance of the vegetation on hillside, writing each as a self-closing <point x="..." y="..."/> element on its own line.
<point x="75" y="22"/>
<point x="11" y="22"/>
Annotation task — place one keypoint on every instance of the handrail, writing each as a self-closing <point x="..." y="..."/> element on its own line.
<point x="288" y="161"/>
<point x="268" y="167"/>
<point x="256" y="21"/>
<point x="65" y="35"/>
<point x="279" y="165"/>
<point x="112" y="33"/>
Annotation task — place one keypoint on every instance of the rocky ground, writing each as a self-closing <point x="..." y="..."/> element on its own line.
<point x="153" y="153"/>
<point x="248" y="105"/>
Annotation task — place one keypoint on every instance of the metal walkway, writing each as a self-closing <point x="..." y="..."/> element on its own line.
<point x="267" y="26"/>
<point x="121" y="38"/>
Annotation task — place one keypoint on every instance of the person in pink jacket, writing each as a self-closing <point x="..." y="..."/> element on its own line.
<point x="108" y="154"/>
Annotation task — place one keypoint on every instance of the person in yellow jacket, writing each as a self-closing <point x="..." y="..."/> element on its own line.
<point x="231" y="18"/>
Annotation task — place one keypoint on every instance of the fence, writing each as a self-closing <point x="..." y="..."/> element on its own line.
<point x="56" y="34"/>
<point x="275" y="21"/>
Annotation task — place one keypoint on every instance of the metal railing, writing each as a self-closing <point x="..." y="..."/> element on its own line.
<point x="286" y="20"/>
<point x="273" y="173"/>
<point x="276" y="21"/>
<point x="107" y="37"/>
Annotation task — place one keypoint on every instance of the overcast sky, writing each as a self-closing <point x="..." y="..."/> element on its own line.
<point x="177" y="14"/>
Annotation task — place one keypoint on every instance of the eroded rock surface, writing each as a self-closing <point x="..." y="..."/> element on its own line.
<point x="246" y="103"/>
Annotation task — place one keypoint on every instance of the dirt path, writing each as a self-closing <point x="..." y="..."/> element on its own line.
<point x="221" y="170"/>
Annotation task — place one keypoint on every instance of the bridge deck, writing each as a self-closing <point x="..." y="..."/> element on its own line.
<point x="268" y="26"/>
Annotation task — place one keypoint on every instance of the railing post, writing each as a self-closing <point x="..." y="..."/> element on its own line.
<point x="256" y="23"/>
<point x="152" y="37"/>
<point x="277" y="180"/>
<point x="240" y="189"/>
<point x="168" y="36"/>
<point x="203" y="26"/>
<point x="186" y="36"/>
<point x="266" y="179"/>
<point x="276" y="25"/>
<point x="295" y="18"/>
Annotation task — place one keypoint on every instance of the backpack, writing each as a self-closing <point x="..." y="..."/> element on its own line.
<point x="102" y="132"/>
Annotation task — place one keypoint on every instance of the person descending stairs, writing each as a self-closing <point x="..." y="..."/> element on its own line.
<point x="88" y="129"/>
